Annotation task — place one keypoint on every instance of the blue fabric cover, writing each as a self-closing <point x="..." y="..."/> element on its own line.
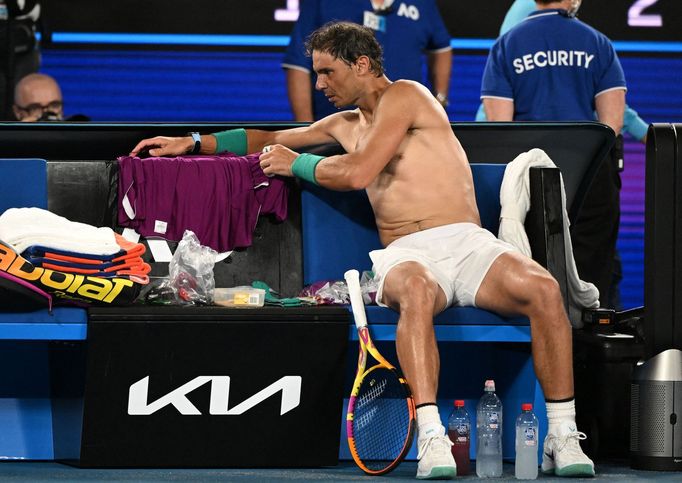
<point x="60" y="315"/>
<point x="23" y="183"/>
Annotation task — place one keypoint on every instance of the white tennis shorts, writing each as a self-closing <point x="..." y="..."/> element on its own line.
<point x="457" y="255"/>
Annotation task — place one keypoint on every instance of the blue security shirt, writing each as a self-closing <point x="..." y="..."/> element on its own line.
<point x="552" y="67"/>
<point x="410" y="28"/>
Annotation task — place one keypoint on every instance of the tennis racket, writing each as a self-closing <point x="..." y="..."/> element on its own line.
<point x="380" y="421"/>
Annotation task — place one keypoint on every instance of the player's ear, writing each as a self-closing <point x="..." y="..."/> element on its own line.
<point x="362" y="64"/>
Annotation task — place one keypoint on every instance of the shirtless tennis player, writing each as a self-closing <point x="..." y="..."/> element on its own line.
<point x="402" y="151"/>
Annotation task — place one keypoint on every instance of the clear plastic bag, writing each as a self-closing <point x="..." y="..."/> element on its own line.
<point x="191" y="271"/>
<point x="190" y="280"/>
<point x="332" y="292"/>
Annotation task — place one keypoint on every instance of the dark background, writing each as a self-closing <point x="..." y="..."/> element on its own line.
<point x="464" y="18"/>
<point x="149" y="82"/>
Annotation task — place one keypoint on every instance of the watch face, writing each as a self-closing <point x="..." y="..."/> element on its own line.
<point x="197" y="142"/>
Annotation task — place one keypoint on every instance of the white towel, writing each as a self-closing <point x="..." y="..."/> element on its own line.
<point x="24" y="227"/>
<point x="515" y="203"/>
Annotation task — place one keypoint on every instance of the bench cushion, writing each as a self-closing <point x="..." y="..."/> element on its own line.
<point x="450" y="316"/>
<point x="64" y="323"/>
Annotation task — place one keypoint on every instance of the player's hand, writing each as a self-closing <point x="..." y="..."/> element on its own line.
<point x="277" y="160"/>
<point x="164" y="146"/>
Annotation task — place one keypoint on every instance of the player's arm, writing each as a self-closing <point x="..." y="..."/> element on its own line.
<point x="498" y="109"/>
<point x="392" y="119"/>
<point x="610" y="106"/>
<point x="239" y="141"/>
<point x="356" y="170"/>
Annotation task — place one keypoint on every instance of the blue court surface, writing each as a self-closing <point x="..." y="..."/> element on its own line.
<point x="345" y="471"/>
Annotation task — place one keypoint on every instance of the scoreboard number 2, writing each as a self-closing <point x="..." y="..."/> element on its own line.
<point x="636" y="17"/>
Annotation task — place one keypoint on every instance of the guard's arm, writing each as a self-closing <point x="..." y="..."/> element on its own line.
<point x="610" y="106"/>
<point x="497" y="109"/>
<point x="299" y="90"/>
<point x="440" y="67"/>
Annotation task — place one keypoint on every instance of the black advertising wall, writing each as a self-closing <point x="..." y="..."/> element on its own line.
<point x="619" y="19"/>
<point x="204" y="387"/>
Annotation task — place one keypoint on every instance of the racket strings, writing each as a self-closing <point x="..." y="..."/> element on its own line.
<point x="381" y="420"/>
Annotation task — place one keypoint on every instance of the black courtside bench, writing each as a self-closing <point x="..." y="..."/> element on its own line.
<point x="179" y="386"/>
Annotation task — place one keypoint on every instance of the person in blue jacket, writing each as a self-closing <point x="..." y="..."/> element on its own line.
<point x="633" y="124"/>
<point x="406" y="29"/>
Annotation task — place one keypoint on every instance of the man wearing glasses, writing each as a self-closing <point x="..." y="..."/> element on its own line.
<point x="37" y="97"/>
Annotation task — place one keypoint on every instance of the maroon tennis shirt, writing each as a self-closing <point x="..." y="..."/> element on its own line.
<point x="218" y="197"/>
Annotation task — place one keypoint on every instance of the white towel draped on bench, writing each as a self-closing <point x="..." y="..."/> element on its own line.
<point x="515" y="203"/>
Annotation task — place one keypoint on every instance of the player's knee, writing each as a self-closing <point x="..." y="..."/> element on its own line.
<point x="417" y="287"/>
<point x="544" y="292"/>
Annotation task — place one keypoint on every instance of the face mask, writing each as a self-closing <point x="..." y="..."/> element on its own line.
<point x="575" y="6"/>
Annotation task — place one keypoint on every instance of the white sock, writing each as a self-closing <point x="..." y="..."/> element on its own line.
<point x="428" y="422"/>
<point x="558" y="412"/>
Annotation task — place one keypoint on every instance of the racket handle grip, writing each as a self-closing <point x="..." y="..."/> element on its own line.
<point x="353" y="282"/>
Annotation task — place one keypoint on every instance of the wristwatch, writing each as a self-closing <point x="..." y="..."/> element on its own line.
<point x="197" y="142"/>
<point x="442" y="98"/>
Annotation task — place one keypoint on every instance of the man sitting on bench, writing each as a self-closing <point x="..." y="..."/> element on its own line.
<point x="402" y="151"/>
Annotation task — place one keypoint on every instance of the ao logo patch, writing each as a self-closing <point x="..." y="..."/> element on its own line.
<point x="409" y="11"/>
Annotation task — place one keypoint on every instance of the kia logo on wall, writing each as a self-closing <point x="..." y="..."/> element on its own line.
<point x="138" y="405"/>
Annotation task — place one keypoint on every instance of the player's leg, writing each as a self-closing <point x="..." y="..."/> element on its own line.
<point x="410" y="289"/>
<point x="515" y="284"/>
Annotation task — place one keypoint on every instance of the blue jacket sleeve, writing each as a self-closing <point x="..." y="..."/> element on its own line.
<point x="611" y="72"/>
<point x="516" y="13"/>
<point x="440" y="37"/>
<point x="496" y="82"/>
<point x="633" y="124"/>
<point x="307" y="22"/>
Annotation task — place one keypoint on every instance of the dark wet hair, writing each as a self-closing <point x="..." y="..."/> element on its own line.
<point x="347" y="41"/>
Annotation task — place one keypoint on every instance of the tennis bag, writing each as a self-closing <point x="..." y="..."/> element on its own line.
<point x="23" y="286"/>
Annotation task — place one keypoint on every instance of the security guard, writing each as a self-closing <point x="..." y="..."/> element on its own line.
<point x="553" y="67"/>
<point x="406" y="29"/>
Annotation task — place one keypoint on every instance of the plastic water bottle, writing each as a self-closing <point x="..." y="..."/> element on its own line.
<point x="526" y="444"/>
<point x="459" y="431"/>
<point x="489" y="433"/>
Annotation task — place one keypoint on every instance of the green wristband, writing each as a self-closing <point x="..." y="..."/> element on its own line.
<point x="304" y="166"/>
<point x="233" y="141"/>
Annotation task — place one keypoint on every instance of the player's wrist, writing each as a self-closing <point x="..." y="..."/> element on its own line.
<point x="195" y="143"/>
<point x="233" y="140"/>
<point x="304" y="166"/>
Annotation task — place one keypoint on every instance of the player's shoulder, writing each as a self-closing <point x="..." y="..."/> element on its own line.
<point x="339" y="119"/>
<point x="405" y="98"/>
<point x="404" y="87"/>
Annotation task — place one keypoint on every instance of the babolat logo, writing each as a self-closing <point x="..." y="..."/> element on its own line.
<point x="138" y="405"/>
<point x="61" y="284"/>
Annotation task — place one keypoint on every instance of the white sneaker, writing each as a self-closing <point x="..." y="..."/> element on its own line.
<point x="563" y="455"/>
<point x="435" y="459"/>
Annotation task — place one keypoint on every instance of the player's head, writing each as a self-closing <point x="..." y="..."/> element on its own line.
<point x="574" y="7"/>
<point x="347" y="42"/>
<point x="571" y="6"/>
